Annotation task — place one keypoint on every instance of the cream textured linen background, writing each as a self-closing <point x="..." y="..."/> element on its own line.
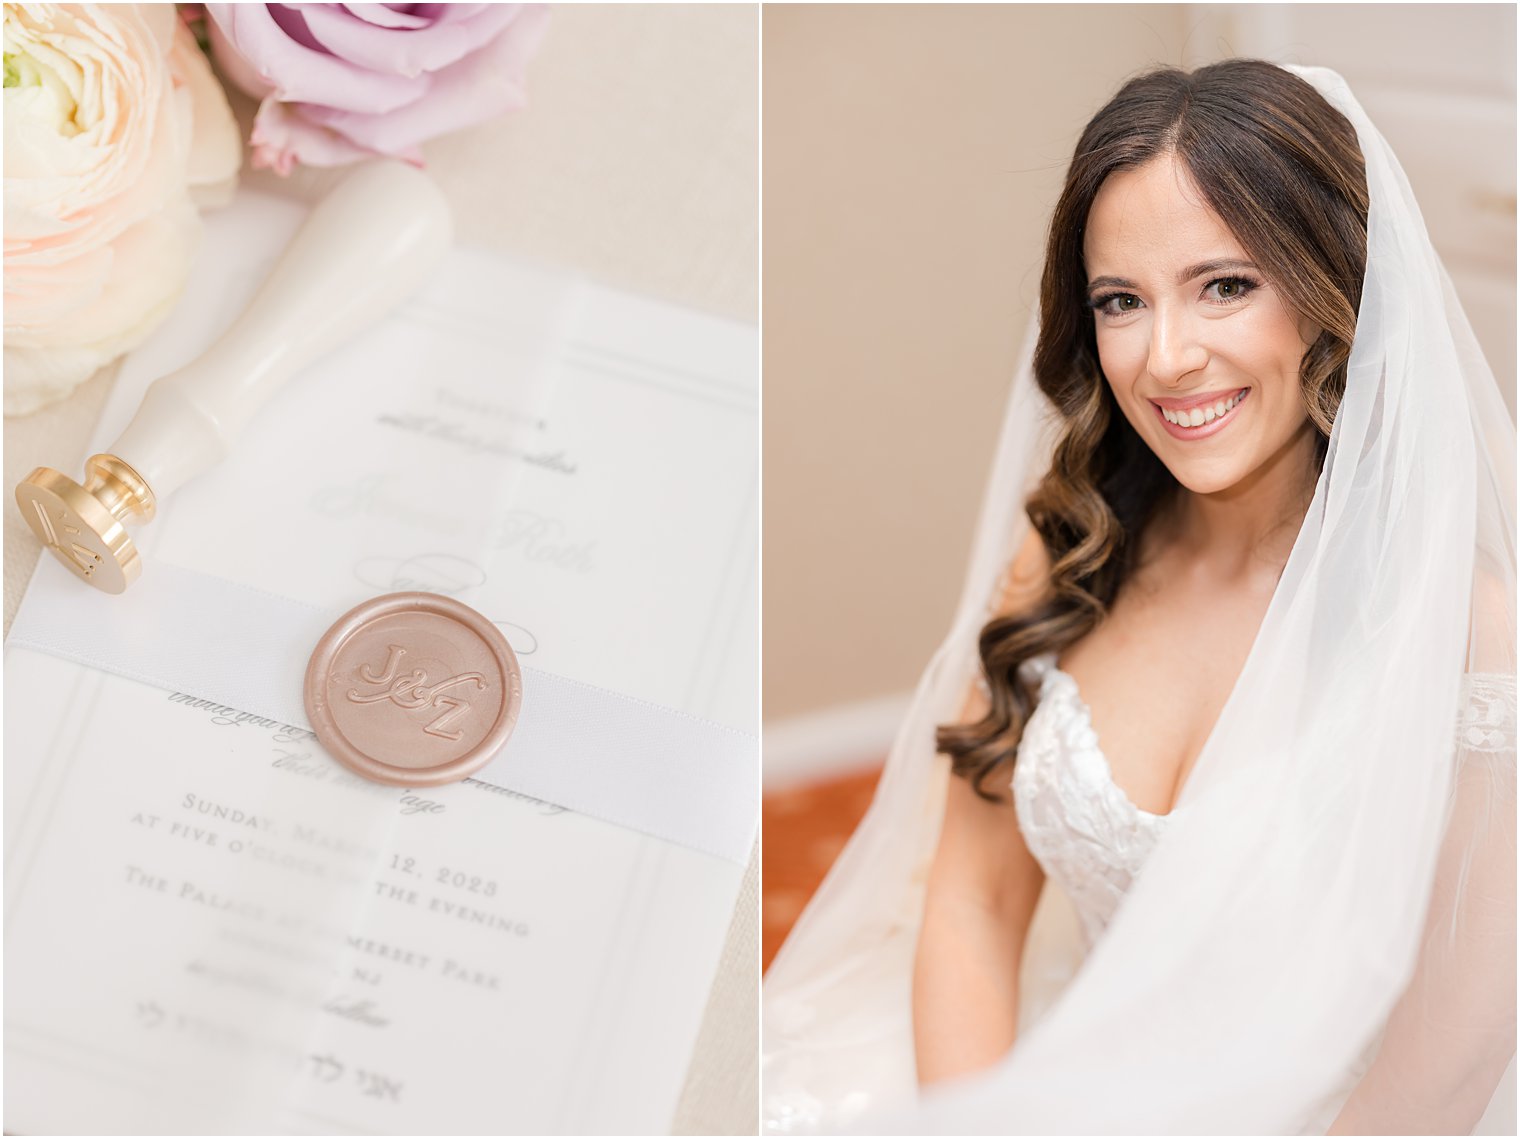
<point x="635" y="162"/>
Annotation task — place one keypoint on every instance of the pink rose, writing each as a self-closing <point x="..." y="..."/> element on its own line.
<point x="341" y="82"/>
<point x="115" y="131"/>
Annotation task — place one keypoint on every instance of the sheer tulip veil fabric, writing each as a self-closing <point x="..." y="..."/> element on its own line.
<point x="1330" y="909"/>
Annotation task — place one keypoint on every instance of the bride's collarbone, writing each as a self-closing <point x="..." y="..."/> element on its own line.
<point x="1155" y="674"/>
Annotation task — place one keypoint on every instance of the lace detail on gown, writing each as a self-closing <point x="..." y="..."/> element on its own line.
<point x="1486" y="722"/>
<point x="1084" y="831"/>
<point x="1087" y="835"/>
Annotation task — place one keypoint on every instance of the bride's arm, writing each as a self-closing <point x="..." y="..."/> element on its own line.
<point x="1452" y="1033"/>
<point x="981" y="894"/>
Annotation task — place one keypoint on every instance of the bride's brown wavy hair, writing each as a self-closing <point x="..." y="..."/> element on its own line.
<point x="1282" y="169"/>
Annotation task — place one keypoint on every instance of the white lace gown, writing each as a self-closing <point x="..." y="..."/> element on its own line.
<point x="1081" y="828"/>
<point x="1092" y="841"/>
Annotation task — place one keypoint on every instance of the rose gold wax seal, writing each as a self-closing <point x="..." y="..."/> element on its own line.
<point x="413" y="689"/>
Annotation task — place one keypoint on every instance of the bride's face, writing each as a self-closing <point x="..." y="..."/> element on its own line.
<point x="1199" y="349"/>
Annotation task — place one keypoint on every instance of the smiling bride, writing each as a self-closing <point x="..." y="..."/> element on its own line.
<point x="1233" y="670"/>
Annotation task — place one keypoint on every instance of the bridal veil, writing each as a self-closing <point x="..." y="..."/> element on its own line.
<point x="1336" y="887"/>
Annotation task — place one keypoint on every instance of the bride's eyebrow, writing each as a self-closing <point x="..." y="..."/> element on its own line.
<point x="1219" y="264"/>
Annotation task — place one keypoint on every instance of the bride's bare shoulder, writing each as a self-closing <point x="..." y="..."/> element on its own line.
<point x="1491" y="647"/>
<point x="1026" y="581"/>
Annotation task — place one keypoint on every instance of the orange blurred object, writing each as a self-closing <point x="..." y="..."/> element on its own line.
<point x="804" y="829"/>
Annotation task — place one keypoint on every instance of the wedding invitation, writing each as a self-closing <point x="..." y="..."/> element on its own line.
<point x="209" y="923"/>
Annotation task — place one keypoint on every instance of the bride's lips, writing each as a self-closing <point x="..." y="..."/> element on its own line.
<point x="1206" y="399"/>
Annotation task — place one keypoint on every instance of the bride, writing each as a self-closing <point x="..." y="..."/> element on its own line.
<point x="1246" y="686"/>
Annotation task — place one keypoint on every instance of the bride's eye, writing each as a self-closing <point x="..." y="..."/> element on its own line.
<point x="1228" y="290"/>
<point x="1114" y="304"/>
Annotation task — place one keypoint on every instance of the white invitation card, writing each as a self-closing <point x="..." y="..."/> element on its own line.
<point x="211" y="925"/>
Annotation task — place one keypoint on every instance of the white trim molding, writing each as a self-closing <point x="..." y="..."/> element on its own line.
<point x="831" y="742"/>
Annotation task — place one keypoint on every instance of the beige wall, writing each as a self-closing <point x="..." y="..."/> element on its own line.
<point x="912" y="155"/>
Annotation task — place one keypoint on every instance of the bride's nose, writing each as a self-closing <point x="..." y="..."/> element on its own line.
<point x="1176" y="349"/>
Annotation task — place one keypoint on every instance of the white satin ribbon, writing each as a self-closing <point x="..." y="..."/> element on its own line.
<point x="625" y="761"/>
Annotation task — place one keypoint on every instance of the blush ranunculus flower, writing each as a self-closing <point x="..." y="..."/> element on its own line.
<point x="342" y="82"/>
<point x="115" y="130"/>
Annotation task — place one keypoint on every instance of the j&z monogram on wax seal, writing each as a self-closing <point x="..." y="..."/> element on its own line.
<point x="413" y="689"/>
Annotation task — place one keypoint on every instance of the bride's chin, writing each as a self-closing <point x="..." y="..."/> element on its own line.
<point x="1200" y="475"/>
<point x="1195" y="477"/>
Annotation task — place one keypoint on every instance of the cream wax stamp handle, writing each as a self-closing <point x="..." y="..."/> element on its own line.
<point x="365" y="246"/>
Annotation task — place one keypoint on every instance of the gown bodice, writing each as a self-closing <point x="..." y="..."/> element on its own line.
<point x="1086" y="834"/>
<point x="1084" y="831"/>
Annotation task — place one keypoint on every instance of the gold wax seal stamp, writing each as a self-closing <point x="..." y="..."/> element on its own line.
<point x="85" y="526"/>
<point x="375" y="237"/>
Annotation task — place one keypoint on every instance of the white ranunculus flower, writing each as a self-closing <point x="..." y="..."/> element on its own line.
<point x="114" y="129"/>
